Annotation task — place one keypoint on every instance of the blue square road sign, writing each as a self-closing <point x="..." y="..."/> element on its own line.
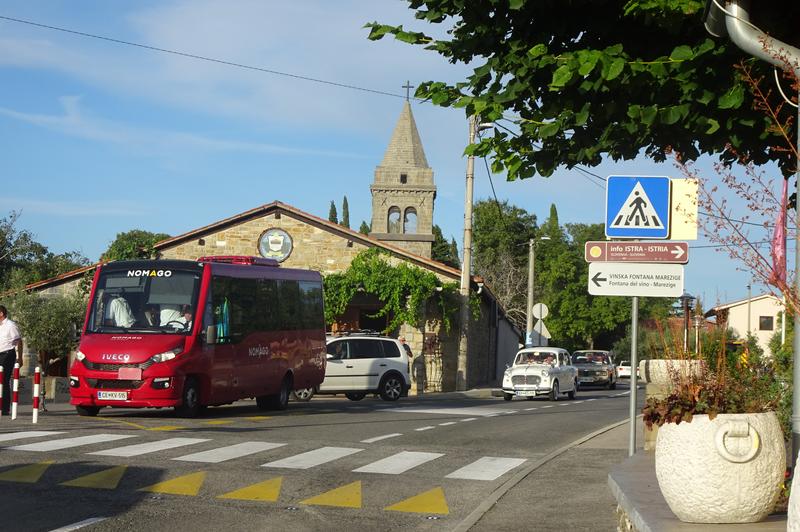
<point x="637" y="207"/>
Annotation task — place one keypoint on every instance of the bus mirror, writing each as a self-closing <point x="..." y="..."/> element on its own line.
<point x="211" y="334"/>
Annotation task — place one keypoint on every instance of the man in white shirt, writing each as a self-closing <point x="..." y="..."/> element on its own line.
<point x="10" y="352"/>
<point x="118" y="312"/>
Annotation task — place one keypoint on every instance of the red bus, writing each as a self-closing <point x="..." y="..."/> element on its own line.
<point x="192" y="334"/>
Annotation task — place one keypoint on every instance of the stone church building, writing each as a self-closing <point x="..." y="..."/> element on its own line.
<point x="403" y="194"/>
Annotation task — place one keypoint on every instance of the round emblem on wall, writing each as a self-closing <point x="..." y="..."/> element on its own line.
<point x="275" y="244"/>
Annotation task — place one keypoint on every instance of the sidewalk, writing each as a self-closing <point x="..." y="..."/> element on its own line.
<point x="605" y="490"/>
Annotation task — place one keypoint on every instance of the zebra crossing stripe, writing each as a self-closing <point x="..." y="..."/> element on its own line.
<point x="10" y="436"/>
<point x="487" y="468"/>
<point x="379" y="438"/>
<point x="215" y="456"/>
<point x="398" y="463"/>
<point x="313" y="458"/>
<point x="56" y="445"/>
<point x="149" y="447"/>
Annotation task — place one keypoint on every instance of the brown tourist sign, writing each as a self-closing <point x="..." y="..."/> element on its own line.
<point x="664" y="252"/>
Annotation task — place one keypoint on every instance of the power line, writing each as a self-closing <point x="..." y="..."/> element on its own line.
<point x="203" y="58"/>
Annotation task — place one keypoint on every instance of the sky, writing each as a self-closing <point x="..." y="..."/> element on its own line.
<point x="98" y="138"/>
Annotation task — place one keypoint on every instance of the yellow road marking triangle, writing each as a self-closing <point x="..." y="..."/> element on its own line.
<point x="257" y="418"/>
<point x="218" y="422"/>
<point x="348" y="496"/>
<point x="29" y="473"/>
<point x="185" y="485"/>
<point x="429" y="502"/>
<point x="106" y="479"/>
<point x="166" y="427"/>
<point x="269" y="490"/>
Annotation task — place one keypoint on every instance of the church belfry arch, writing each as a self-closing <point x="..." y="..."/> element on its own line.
<point x="404" y="181"/>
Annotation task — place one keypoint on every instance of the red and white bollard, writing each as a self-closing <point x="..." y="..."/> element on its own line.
<point x="2" y="380"/>
<point x="37" y="380"/>
<point x="15" y="391"/>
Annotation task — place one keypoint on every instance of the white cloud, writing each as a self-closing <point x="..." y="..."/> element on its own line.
<point x="75" y="123"/>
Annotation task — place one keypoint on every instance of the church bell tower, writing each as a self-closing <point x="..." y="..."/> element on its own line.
<point x="403" y="191"/>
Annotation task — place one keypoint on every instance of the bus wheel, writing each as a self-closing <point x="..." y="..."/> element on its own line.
<point x="280" y="400"/>
<point x="89" y="411"/>
<point x="191" y="399"/>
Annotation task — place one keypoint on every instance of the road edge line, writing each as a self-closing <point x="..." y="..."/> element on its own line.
<point x="475" y="516"/>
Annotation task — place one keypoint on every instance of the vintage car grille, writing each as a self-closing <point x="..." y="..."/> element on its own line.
<point x="114" y="367"/>
<point x="592" y="373"/>
<point x="107" y="384"/>
<point x="525" y="379"/>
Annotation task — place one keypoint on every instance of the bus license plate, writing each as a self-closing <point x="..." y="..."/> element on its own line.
<point x="113" y="396"/>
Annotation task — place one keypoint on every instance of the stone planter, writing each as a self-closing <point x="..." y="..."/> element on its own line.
<point x="725" y="470"/>
<point x="661" y="371"/>
<point x="793" y="522"/>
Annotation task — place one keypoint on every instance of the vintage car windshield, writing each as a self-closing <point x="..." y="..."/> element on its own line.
<point x="535" y="357"/>
<point x="591" y="358"/>
<point x="144" y="301"/>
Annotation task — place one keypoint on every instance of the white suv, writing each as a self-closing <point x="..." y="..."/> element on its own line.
<point x="359" y="364"/>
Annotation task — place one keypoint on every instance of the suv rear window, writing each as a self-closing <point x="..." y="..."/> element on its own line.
<point x="390" y="349"/>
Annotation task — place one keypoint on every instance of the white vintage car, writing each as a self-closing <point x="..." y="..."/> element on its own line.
<point x="540" y="371"/>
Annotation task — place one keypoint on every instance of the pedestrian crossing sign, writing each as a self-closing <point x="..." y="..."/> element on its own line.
<point x="637" y="207"/>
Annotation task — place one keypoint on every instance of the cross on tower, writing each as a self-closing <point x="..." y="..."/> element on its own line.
<point x="408" y="86"/>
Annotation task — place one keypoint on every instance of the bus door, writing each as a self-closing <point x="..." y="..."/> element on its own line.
<point x="220" y="343"/>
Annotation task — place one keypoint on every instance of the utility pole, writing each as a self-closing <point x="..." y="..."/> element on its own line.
<point x="749" y="298"/>
<point x="466" y="266"/>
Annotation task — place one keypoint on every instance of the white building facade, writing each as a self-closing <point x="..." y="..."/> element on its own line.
<point x="760" y="315"/>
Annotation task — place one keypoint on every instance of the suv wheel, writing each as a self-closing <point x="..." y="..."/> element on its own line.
<point x="391" y="387"/>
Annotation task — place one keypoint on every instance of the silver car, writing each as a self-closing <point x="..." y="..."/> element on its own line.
<point x="595" y="368"/>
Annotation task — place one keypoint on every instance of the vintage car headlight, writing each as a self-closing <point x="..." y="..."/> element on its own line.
<point x="545" y="373"/>
<point x="167" y="355"/>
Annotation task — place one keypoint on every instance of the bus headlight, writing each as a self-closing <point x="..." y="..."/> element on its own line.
<point x="79" y="356"/>
<point x="167" y="355"/>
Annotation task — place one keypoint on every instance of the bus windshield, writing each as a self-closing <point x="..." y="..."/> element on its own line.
<point x="144" y="301"/>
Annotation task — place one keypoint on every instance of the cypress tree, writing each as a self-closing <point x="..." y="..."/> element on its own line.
<point x="345" y="213"/>
<point x="364" y="229"/>
<point x="332" y="216"/>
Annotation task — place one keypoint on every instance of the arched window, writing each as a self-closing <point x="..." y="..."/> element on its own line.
<point x="393" y="221"/>
<point x="410" y="221"/>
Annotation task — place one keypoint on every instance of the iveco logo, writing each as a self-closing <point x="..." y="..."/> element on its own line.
<point x="115" y="356"/>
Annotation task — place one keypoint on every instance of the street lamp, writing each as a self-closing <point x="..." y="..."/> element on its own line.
<point x="698" y="320"/>
<point x="529" y="314"/>
<point x="686" y="300"/>
<point x="735" y="23"/>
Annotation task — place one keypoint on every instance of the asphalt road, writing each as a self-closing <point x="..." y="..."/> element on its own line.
<point x="329" y="464"/>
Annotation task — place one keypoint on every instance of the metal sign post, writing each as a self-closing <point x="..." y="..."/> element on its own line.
<point x="634" y="373"/>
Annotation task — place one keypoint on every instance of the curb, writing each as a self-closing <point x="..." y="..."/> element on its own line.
<point x="492" y="499"/>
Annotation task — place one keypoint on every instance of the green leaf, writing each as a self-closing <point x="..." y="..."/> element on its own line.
<point x="537" y="51"/>
<point x="561" y="76"/>
<point x="588" y="60"/>
<point x="649" y="114"/>
<point x="713" y="126"/>
<point x="548" y="130"/>
<point x="706" y="97"/>
<point x="516" y="4"/>
<point x="681" y="53"/>
<point x="615" y="69"/>
<point x="670" y="115"/>
<point x="733" y="98"/>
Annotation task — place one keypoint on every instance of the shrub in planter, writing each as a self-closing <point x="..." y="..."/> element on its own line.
<point x="720" y="455"/>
